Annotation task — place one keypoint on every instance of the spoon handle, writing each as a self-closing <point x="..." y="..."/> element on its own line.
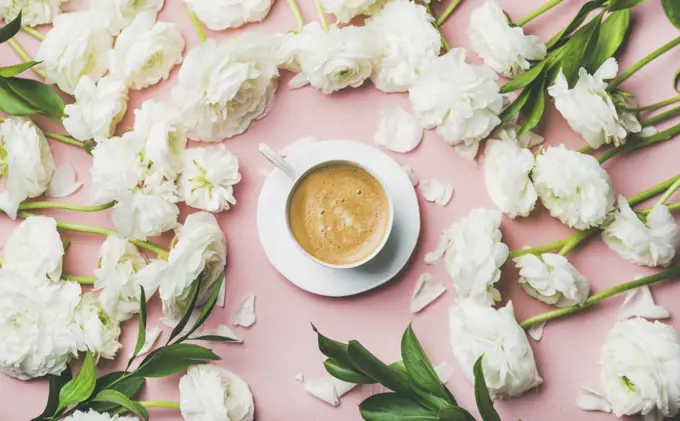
<point x="276" y="160"/>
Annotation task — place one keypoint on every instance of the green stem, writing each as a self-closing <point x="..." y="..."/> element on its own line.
<point x="197" y="24"/>
<point x="642" y="63"/>
<point x="445" y="43"/>
<point x="82" y="280"/>
<point x="539" y="11"/>
<point x="656" y="105"/>
<point x="541" y="249"/>
<point x="661" y="117"/>
<point x="675" y="206"/>
<point x="66" y="206"/>
<point x="577" y="239"/>
<point x="593" y="299"/>
<point x="159" y="404"/>
<point x="297" y="14"/>
<point x="447" y="12"/>
<point x="34" y="33"/>
<point x="322" y="15"/>
<point x="61" y="138"/>
<point x="24" y="55"/>
<point x="654" y="191"/>
<point x="668" y="193"/>
<point x="640" y="143"/>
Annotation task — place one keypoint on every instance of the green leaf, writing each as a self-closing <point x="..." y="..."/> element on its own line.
<point x="115" y="397"/>
<point x="612" y="34"/>
<point x="579" y="49"/>
<point x="368" y="364"/>
<point x="193" y="296"/>
<point x="455" y="413"/>
<point x="8" y="31"/>
<point x="216" y="338"/>
<point x="333" y="349"/>
<point x="10" y="71"/>
<point x="141" y="330"/>
<point x="511" y="110"/>
<point x="172" y="359"/>
<point x="672" y="9"/>
<point x="207" y="309"/>
<point x="344" y="373"/>
<point x="534" y="108"/>
<point x="81" y="387"/>
<point x="575" y="23"/>
<point x="420" y="368"/>
<point x="394" y="407"/>
<point x="128" y="386"/>
<point x="484" y="402"/>
<point x="12" y="104"/>
<point x="56" y="383"/>
<point x="676" y="79"/>
<point x="524" y="79"/>
<point x="617" y="5"/>
<point x="38" y="95"/>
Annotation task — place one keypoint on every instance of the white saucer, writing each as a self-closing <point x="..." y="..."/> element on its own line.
<point x="284" y="254"/>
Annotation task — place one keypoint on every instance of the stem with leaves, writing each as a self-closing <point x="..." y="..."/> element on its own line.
<point x="642" y="63"/>
<point x="538" y="12"/>
<point x="21" y="52"/>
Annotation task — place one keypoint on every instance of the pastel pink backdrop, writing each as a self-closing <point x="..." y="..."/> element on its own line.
<point x="282" y="343"/>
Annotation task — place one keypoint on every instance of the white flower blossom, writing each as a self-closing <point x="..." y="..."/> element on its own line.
<point x="552" y="279"/>
<point x="504" y="48"/>
<point x="649" y="240"/>
<point x="219" y="15"/>
<point x="506" y="175"/>
<point x="224" y="87"/>
<point x="475" y="254"/>
<point x="410" y="41"/>
<point x="208" y="392"/>
<point x="97" y="331"/>
<point x="98" y="108"/>
<point x="641" y="369"/>
<point x="573" y="187"/>
<point x="117" y="167"/>
<point x="91" y="415"/>
<point x="33" y="12"/>
<point x="461" y="100"/>
<point x="208" y="178"/>
<point x="25" y="160"/>
<point x="146" y="51"/>
<point x="78" y="45"/>
<point x="34" y="249"/>
<point x="509" y="365"/>
<point x="334" y="60"/>
<point x="120" y="13"/>
<point x="35" y="325"/>
<point x="345" y="10"/>
<point x="589" y="109"/>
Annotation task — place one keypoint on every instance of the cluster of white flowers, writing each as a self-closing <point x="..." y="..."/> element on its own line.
<point x="219" y="15"/>
<point x="92" y="415"/>
<point x="33" y="12"/>
<point x="552" y="279"/>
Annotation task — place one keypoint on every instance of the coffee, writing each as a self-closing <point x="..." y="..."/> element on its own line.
<point x="339" y="213"/>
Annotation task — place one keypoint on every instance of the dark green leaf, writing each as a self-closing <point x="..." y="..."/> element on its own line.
<point x="193" y="296"/>
<point x="484" y="402"/>
<point x="333" y="349"/>
<point x="676" y="79"/>
<point x="616" y="5"/>
<point x="344" y="373"/>
<point x="56" y="383"/>
<point x="128" y="386"/>
<point x="579" y="49"/>
<point x="38" y="95"/>
<point x="420" y="368"/>
<point x="207" y="309"/>
<point x="511" y="110"/>
<point x="368" y="364"/>
<point x="672" y="9"/>
<point x="141" y="330"/>
<point x="611" y="37"/>
<point x="117" y="398"/>
<point x="81" y="387"/>
<point x="455" y="413"/>
<point x="575" y="23"/>
<point x="10" y="71"/>
<point x="394" y="407"/>
<point x="11" y="29"/>
<point x="524" y="79"/>
<point x="216" y="338"/>
<point x="12" y="104"/>
<point x="172" y="359"/>
<point x="534" y="108"/>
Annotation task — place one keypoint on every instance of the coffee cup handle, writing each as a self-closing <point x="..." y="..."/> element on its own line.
<point x="276" y="159"/>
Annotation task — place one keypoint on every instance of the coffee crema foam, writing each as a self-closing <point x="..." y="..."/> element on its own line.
<point x="339" y="213"/>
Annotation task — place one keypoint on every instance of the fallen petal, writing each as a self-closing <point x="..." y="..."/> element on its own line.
<point x="536" y="331"/>
<point x="640" y="303"/>
<point x="300" y="377"/>
<point x="411" y="175"/>
<point x="221" y="296"/>
<point x="425" y="292"/>
<point x="398" y="131"/>
<point x="341" y="387"/>
<point x="323" y="390"/>
<point x="433" y="257"/>
<point x="590" y="400"/>
<point x="63" y="182"/>
<point x="221" y="330"/>
<point x="244" y="315"/>
<point x="437" y="192"/>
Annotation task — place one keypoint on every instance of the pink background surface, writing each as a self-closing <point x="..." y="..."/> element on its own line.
<point x="282" y="344"/>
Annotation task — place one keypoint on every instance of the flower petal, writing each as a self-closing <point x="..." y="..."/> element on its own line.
<point x="640" y="303"/>
<point x="590" y="400"/>
<point x="398" y="131"/>
<point x="425" y="292"/>
<point x="437" y="192"/>
<point x="244" y="315"/>
<point x="63" y="182"/>
<point x="536" y="331"/>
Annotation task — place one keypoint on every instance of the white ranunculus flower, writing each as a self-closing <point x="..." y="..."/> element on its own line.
<point x="121" y="273"/>
<point x="97" y="331"/>
<point x="149" y="210"/>
<point x="91" y="415"/>
<point x="589" y="109"/>
<point x="78" y="45"/>
<point x="35" y="325"/>
<point x="120" y="13"/>
<point x="224" y="87"/>
<point x="146" y="51"/>
<point x="504" y="48"/>
<point x="641" y="369"/>
<point x="475" y="254"/>
<point x="117" y="167"/>
<point x="334" y="60"/>
<point x="509" y="365"/>
<point x="33" y="12"/>
<point x="345" y="10"/>
<point x="506" y="175"/>
<point x="410" y="41"/>
<point x="164" y="134"/>
<point x="25" y="160"/>
<point x="98" y="108"/>
<point x="208" y="392"/>
<point x="649" y="240"/>
<point x="208" y="178"/>
<point x="552" y="279"/>
<point x="219" y="15"/>
<point x="461" y="100"/>
<point x="573" y="187"/>
<point x="34" y="249"/>
<point x="200" y="251"/>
